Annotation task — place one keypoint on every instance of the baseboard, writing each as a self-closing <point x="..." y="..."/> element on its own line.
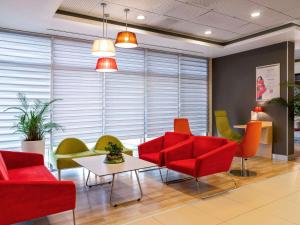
<point x="283" y="157"/>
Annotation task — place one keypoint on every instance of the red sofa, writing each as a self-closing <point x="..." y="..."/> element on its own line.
<point x="28" y="190"/>
<point x="201" y="156"/>
<point x="152" y="151"/>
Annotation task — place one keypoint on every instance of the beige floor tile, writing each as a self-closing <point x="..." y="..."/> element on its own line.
<point x="221" y="207"/>
<point x="258" y="217"/>
<point x="294" y="198"/>
<point x="187" y="215"/>
<point x="250" y="197"/>
<point x="146" y="221"/>
<point x="284" y="209"/>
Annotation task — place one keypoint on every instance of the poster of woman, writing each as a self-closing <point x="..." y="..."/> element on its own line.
<point x="267" y="82"/>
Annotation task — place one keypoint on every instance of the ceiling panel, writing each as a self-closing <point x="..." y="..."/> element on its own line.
<point x="289" y="7"/>
<point x="243" y="8"/>
<point x="249" y="28"/>
<point x="184" y="11"/>
<point x="218" y="20"/>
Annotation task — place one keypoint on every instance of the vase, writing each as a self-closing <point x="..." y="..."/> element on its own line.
<point x="34" y="146"/>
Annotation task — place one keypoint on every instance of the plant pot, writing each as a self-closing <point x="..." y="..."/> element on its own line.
<point x="34" y="146"/>
<point x="114" y="159"/>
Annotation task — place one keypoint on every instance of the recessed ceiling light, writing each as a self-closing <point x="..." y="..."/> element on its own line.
<point x="255" y="14"/>
<point x="208" y="32"/>
<point x="140" y="17"/>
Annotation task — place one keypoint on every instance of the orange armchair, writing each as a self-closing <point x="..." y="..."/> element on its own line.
<point x="248" y="147"/>
<point x="181" y="125"/>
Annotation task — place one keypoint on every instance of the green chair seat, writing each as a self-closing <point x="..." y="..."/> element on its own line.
<point x="65" y="161"/>
<point x="103" y="142"/>
<point x="223" y="127"/>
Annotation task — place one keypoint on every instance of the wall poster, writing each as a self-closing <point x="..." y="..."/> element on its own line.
<point x="267" y="82"/>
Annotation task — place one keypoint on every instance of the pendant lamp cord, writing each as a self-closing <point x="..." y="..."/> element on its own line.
<point x="103" y="21"/>
<point x="126" y="13"/>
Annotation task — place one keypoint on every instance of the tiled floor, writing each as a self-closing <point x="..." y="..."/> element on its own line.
<point x="275" y="201"/>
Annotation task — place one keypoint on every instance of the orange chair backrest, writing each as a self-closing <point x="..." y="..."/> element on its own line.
<point x="251" y="139"/>
<point x="181" y="125"/>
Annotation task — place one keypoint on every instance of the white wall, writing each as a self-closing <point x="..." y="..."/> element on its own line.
<point x="297" y="67"/>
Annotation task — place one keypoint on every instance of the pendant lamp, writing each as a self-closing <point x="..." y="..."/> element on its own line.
<point x="106" y="64"/>
<point x="126" y="39"/>
<point x="103" y="47"/>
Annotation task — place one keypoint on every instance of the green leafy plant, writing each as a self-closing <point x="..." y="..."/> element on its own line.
<point x="32" y="118"/>
<point x="294" y="102"/>
<point x="114" y="149"/>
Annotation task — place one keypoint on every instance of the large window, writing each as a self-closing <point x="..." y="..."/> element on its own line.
<point x="140" y="101"/>
<point x="24" y="67"/>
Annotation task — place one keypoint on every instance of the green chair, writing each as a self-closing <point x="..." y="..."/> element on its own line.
<point x="223" y="127"/>
<point x="66" y="151"/>
<point x="103" y="142"/>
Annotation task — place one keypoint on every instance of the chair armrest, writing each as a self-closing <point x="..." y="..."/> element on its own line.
<point x="25" y="200"/>
<point x="217" y="160"/>
<point x="152" y="146"/>
<point x="180" y="151"/>
<point x="21" y="159"/>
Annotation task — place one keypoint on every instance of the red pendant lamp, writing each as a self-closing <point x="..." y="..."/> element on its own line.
<point x="105" y="65"/>
<point x="126" y="39"/>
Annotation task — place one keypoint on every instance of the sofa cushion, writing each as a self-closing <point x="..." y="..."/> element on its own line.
<point x="3" y="169"/>
<point x="31" y="173"/>
<point x="172" y="138"/>
<point x="151" y="157"/>
<point x="186" y="166"/>
<point x="203" y="144"/>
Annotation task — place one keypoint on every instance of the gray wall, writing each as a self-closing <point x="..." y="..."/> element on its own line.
<point x="233" y="90"/>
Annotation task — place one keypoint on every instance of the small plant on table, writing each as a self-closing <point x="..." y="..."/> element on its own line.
<point x="115" y="154"/>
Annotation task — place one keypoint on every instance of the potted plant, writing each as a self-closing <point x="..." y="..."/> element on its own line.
<point x="293" y="102"/>
<point x="115" y="154"/>
<point x="32" y="123"/>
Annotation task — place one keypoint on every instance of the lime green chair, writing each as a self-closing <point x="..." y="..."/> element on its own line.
<point x="67" y="150"/>
<point x="103" y="142"/>
<point x="223" y="127"/>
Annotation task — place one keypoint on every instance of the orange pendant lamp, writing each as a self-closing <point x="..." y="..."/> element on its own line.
<point x="126" y="39"/>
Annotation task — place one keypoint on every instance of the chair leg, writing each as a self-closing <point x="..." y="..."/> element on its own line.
<point x="74" y="221"/>
<point x="167" y="176"/>
<point x="59" y="174"/>
<point x="161" y="177"/>
<point x="198" y="184"/>
<point x="243" y="172"/>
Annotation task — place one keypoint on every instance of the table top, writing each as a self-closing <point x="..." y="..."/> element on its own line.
<point x="265" y="124"/>
<point x="96" y="165"/>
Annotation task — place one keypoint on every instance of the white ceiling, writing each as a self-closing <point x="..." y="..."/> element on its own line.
<point x="228" y="19"/>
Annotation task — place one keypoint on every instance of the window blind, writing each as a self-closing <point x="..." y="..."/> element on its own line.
<point x="193" y="93"/>
<point x="24" y="67"/>
<point x="124" y="96"/>
<point x="79" y="87"/>
<point x="162" y="92"/>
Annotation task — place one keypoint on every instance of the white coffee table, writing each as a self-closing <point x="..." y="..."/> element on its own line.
<point x="96" y="165"/>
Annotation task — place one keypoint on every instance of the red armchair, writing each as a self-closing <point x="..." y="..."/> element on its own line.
<point x="152" y="151"/>
<point x="201" y="156"/>
<point x="28" y="190"/>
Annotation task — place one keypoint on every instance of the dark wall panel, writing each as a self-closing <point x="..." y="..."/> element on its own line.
<point x="233" y="89"/>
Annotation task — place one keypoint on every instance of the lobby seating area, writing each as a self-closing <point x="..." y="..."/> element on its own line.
<point x="161" y="112"/>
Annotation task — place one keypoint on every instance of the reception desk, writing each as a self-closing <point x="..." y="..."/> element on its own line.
<point x="266" y="140"/>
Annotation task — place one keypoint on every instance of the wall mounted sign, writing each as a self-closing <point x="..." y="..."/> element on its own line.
<point x="267" y="82"/>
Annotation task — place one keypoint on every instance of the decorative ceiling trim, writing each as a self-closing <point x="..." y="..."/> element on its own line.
<point x="144" y="28"/>
<point x="176" y="34"/>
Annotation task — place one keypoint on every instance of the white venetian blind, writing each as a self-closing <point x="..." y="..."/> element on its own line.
<point x="193" y="93"/>
<point x="24" y="67"/>
<point x="76" y="82"/>
<point x="124" y="96"/>
<point x="162" y="92"/>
